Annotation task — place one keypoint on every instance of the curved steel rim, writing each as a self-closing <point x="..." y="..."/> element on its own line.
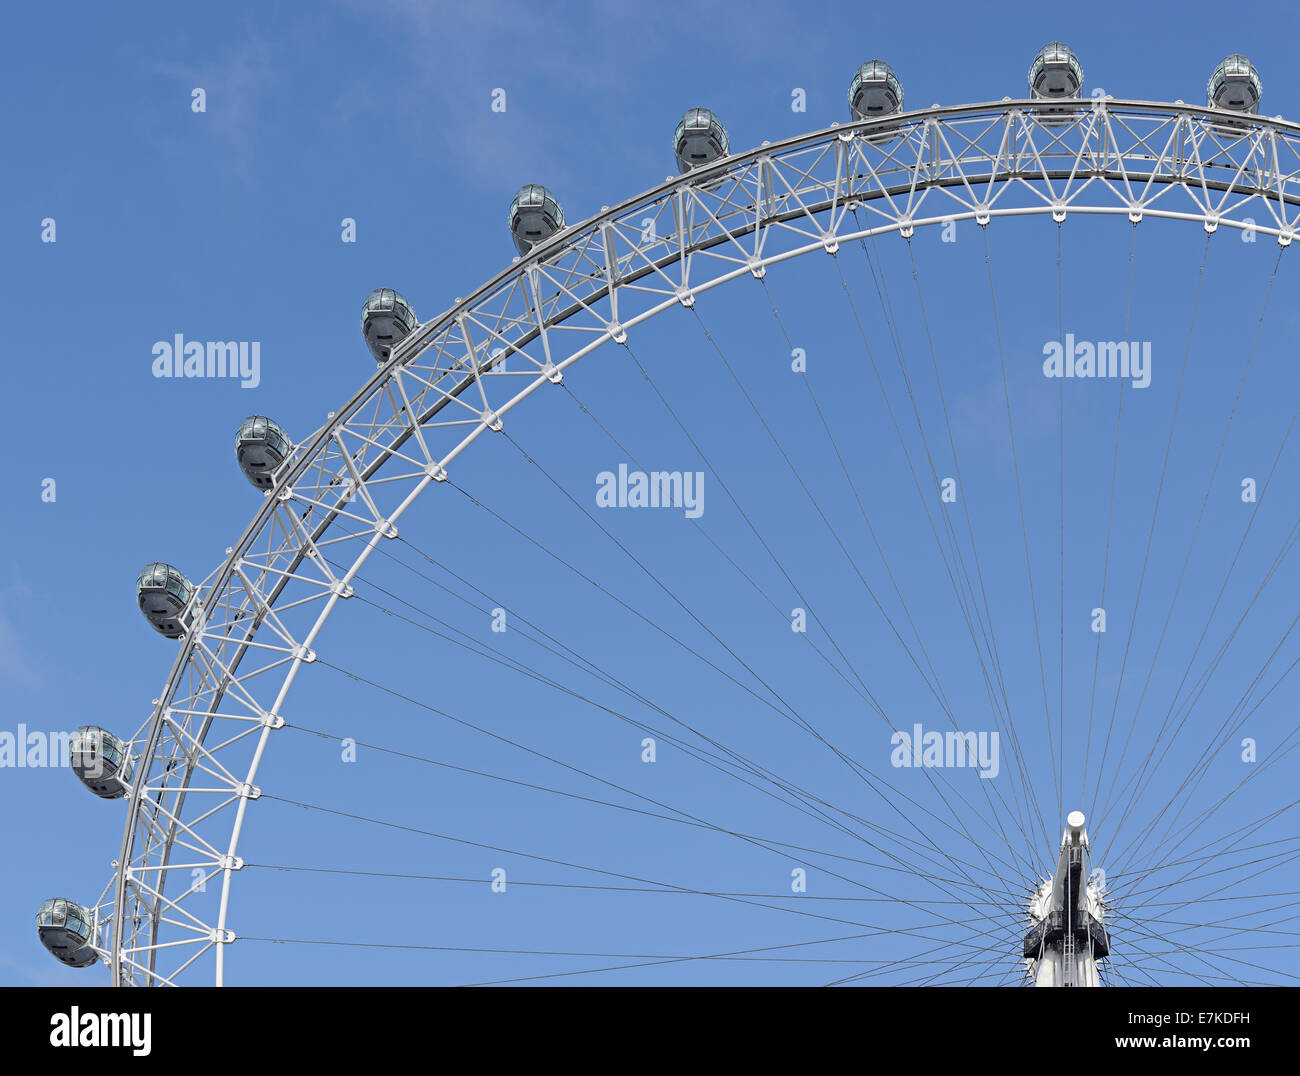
<point x="1254" y="139"/>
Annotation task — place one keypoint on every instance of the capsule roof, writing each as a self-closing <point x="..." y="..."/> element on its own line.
<point x="535" y="196"/>
<point x="261" y="428"/>
<point x="1055" y="72"/>
<point x="387" y="301"/>
<point x="163" y="577"/>
<point x="534" y="216"/>
<point x="65" y="929"/>
<point x="260" y="447"/>
<point x="101" y="760"/>
<point x="699" y="139"/>
<point x="163" y="594"/>
<point x="386" y="320"/>
<point x="875" y="90"/>
<point x="1235" y="84"/>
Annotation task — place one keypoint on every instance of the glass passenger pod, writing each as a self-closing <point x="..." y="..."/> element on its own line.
<point x="164" y="594"/>
<point x="1056" y="75"/>
<point x="261" y="446"/>
<point x="534" y="217"/>
<point x="1234" y="87"/>
<point x="876" y="91"/>
<point x="386" y="320"/>
<point x="66" y="929"/>
<point x="102" y="762"/>
<point x="699" y="139"/>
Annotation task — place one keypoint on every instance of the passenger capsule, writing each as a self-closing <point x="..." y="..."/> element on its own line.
<point x="1056" y="76"/>
<point x="1055" y="73"/>
<point x="700" y="139"/>
<point x="1235" y="85"/>
<point x="386" y="320"/>
<point x="66" y="930"/>
<point x="535" y="216"/>
<point x="164" y="595"/>
<point x="875" y="91"/>
<point x="260" y="446"/>
<point x="102" y="762"/>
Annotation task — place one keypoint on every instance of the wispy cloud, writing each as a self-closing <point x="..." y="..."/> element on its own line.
<point x="980" y="416"/>
<point x="233" y="84"/>
<point x="17" y="666"/>
<point x="458" y="56"/>
<point x="17" y="585"/>
<point x="26" y="974"/>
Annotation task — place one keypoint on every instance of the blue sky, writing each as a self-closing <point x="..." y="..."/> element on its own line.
<point x="225" y="225"/>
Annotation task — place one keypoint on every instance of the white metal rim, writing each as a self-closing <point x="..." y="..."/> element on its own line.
<point x="602" y="278"/>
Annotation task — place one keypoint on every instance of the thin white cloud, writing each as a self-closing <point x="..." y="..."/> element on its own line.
<point x="17" y="666"/>
<point x="232" y="83"/>
<point x="29" y="975"/>
<point x="456" y="55"/>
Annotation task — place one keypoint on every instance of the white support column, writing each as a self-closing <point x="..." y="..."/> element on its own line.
<point x="1067" y="936"/>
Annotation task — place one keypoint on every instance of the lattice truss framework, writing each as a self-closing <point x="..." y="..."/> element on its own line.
<point x="460" y="374"/>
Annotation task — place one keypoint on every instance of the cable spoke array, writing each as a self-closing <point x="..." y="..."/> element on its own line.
<point x="873" y="562"/>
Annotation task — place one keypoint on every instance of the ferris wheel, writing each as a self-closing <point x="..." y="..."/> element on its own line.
<point x="1063" y="873"/>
